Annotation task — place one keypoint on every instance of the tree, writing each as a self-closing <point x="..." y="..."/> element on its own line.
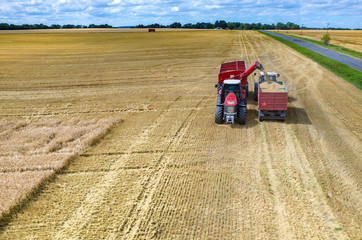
<point x="68" y="26"/>
<point x="175" y="25"/>
<point x="247" y="26"/>
<point x="221" y="24"/>
<point x="231" y="25"/>
<point x="55" y="26"/>
<point x="280" y="26"/>
<point x="4" y="26"/>
<point x="326" y="38"/>
<point x="295" y="26"/>
<point x="188" y="25"/>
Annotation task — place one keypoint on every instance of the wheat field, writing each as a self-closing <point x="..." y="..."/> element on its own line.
<point x="111" y="135"/>
<point x="346" y="38"/>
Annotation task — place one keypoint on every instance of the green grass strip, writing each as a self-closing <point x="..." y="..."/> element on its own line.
<point x="343" y="50"/>
<point x="346" y="72"/>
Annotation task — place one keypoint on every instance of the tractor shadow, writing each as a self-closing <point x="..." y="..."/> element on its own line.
<point x="294" y="115"/>
<point x="297" y="115"/>
<point x="251" y="119"/>
<point x="292" y="99"/>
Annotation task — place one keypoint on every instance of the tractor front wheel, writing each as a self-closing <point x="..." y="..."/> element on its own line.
<point x="219" y="115"/>
<point x="242" y="115"/>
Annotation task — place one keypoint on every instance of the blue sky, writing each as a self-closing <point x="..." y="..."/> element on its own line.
<point x="310" y="13"/>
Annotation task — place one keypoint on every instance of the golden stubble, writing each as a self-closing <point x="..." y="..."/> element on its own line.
<point x="167" y="171"/>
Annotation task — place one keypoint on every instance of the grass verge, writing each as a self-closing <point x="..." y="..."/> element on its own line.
<point x="346" y="72"/>
<point x="336" y="48"/>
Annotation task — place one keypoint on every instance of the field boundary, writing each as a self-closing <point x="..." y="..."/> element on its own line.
<point x="346" y="51"/>
<point x="342" y="70"/>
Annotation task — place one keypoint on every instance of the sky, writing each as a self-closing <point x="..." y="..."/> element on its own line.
<point x="310" y="13"/>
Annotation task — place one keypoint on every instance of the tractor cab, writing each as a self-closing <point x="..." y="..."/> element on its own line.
<point x="231" y="86"/>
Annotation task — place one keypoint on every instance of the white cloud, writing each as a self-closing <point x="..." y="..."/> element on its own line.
<point x="175" y="9"/>
<point x="115" y="2"/>
<point x="212" y="6"/>
<point x="340" y="13"/>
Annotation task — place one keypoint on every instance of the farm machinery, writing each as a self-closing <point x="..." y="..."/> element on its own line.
<point x="233" y="91"/>
<point x="272" y="97"/>
<point x="232" y="88"/>
<point x="262" y="78"/>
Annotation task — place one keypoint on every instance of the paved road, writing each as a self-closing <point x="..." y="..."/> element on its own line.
<point x="352" y="62"/>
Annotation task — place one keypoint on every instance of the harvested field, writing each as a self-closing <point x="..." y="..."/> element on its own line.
<point x="346" y="38"/>
<point x="165" y="170"/>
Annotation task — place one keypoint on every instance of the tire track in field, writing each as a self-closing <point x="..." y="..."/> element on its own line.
<point x="143" y="206"/>
<point x="265" y="153"/>
<point x="313" y="197"/>
<point x="307" y="180"/>
<point x="279" y="207"/>
<point x="89" y="206"/>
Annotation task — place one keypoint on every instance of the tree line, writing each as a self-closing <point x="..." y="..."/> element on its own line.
<point x="221" y="24"/>
<point x="200" y="25"/>
<point x="6" y="26"/>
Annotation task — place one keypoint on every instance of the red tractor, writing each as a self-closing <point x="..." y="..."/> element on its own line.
<point x="233" y="91"/>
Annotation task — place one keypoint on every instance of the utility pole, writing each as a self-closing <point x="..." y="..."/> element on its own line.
<point x="301" y="30"/>
<point x="327" y="27"/>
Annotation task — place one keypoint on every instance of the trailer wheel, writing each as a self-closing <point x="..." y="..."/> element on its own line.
<point x="219" y="115"/>
<point x="242" y="115"/>
<point x="260" y="118"/>
<point x="256" y="91"/>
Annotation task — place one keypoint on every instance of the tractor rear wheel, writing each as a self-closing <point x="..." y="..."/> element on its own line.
<point x="219" y="115"/>
<point x="242" y="115"/>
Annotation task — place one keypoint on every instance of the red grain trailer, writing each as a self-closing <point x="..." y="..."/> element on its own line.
<point x="272" y="103"/>
<point x="237" y="70"/>
<point x="151" y="30"/>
